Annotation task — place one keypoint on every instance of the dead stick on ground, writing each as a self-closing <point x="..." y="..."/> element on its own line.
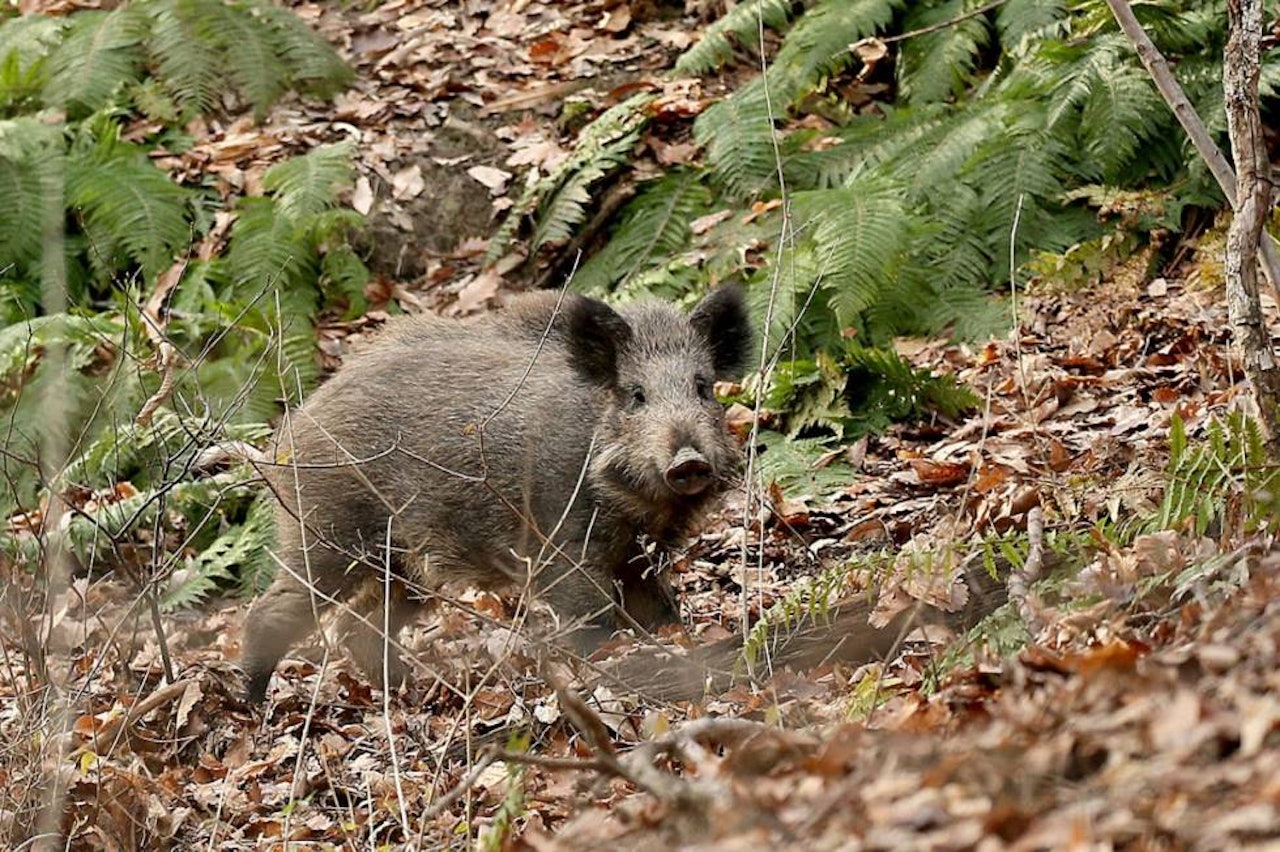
<point x="104" y="739"/>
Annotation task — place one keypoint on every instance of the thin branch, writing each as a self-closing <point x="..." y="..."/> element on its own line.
<point x="942" y="25"/>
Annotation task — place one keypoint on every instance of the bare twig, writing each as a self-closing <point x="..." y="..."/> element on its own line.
<point x="155" y="321"/>
<point x="1021" y="581"/>
<point x="481" y="764"/>
<point x="933" y="28"/>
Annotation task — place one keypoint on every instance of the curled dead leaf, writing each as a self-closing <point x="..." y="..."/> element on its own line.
<point x="939" y="474"/>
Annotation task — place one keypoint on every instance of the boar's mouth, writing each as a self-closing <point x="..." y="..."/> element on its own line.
<point x="689" y="473"/>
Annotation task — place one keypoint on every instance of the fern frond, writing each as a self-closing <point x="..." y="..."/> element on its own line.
<point x="738" y="135"/>
<point x="192" y="69"/>
<point x="1224" y="478"/>
<point x="204" y="48"/>
<point x="793" y="464"/>
<point x="811" y="600"/>
<point x="31" y="158"/>
<point x="1021" y="23"/>
<point x="937" y="65"/>
<point x="308" y="184"/>
<point x="256" y="567"/>
<point x="266" y="250"/>
<point x="252" y="61"/>
<point x="959" y="249"/>
<point x="1122" y="113"/>
<point x="893" y="388"/>
<point x="938" y="149"/>
<point x="314" y="66"/>
<point x="1016" y="175"/>
<point x="128" y="202"/>
<point x="603" y="147"/>
<point x="29" y="378"/>
<point x="654" y="226"/>
<point x="737" y="28"/>
<point x="819" y="42"/>
<point x="299" y="370"/>
<point x="25" y="43"/>
<point x="860" y="233"/>
<point x="343" y="277"/>
<point x="240" y="551"/>
<point x="1069" y="72"/>
<point x="100" y="52"/>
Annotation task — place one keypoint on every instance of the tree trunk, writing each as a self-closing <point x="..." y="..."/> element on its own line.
<point x="1182" y="109"/>
<point x="1240" y="70"/>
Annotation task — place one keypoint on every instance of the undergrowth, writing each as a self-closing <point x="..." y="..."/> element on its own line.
<point x="103" y="253"/>
<point x="857" y="216"/>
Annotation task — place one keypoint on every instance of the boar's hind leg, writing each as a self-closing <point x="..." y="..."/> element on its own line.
<point x="286" y="613"/>
<point x="360" y="628"/>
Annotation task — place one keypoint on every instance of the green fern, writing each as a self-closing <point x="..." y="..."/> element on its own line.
<point x="1224" y="478"/>
<point x="343" y="276"/>
<point x="199" y="49"/>
<point x="940" y="64"/>
<point x="313" y="65"/>
<point x="98" y="55"/>
<point x="253" y="63"/>
<point x="191" y="69"/>
<point x="811" y="600"/>
<point x="266" y="251"/>
<point x="240" y="555"/>
<point x="738" y="135"/>
<point x="558" y="202"/>
<point x="860" y="233"/>
<point x="603" y="147"/>
<point x="738" y="28"/>
<point x="889" y="387"/>
<point x="274" y="261"/>
<point x="308" y="185"/>
<point x="1023" y="23"/>
<point x="1121" y="117"/>
<point x="145" y="454"/>
<point x="818" y="44"/>
<point x="653" y="227"/>
<point x="25" y="43"/>
<point x="31" y="159"/>
<point x="812" y="392"/>
<point x="90" y="393"/>
<point x="225" y="519"/>
<point x="127" y="203"/>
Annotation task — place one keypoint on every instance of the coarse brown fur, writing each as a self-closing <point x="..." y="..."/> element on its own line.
<point x="540" y="443"/>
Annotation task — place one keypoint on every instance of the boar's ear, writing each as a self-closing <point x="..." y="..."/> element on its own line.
<point x="596" y="334"/>
<point x="721" y="320"/>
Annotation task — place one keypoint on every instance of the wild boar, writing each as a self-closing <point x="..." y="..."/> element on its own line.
<point x="540" y="444"/>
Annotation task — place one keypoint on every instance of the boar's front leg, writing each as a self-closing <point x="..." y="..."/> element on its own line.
<point x="582" y="595"/>
<point x="646" y="595"/>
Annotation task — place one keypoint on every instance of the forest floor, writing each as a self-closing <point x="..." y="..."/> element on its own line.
<point x="1140" y="710"/>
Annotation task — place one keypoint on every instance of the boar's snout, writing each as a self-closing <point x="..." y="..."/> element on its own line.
<point x="689" y="472"/>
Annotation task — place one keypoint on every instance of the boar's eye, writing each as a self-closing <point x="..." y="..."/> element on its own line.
<point x="637" y="396"/>
<point x="703" y="387"/>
